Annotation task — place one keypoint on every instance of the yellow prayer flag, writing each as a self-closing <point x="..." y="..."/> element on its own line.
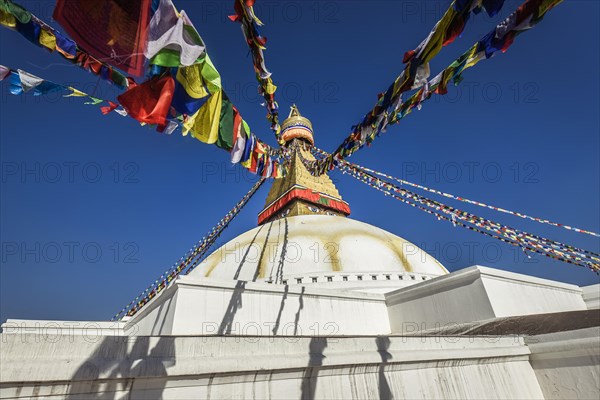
<point x="7" y="19"/>
<point x="192" y="81"/>
<point x="271" y="88"/>
<point x="75" y="93"/>
<point x="400" y="82"/>
<point x="547" y="5"/>
<point x="248" y="163"/>
<point x="436" y="39"/>
<point x="474" y="57"/>
<point x="47" y="39"/>
<point x="196" y="76"/>
<point x="204" y="125"/>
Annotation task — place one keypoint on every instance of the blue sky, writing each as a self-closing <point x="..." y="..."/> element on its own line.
<point x="94" y="208"/>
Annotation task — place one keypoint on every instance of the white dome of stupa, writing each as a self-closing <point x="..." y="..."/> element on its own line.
<point x="323" y="250"/>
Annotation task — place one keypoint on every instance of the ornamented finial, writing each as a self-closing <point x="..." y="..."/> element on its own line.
<point x="296" y="126"/>
<point x="294" y="112"/>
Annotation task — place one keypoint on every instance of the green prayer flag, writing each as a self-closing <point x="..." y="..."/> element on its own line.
<point x="21" y="14"/>
<point x="225" y="140"/>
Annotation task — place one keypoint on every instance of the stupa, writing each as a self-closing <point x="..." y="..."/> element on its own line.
<point x="312" y="304"/>
<point x="305" y="238"/>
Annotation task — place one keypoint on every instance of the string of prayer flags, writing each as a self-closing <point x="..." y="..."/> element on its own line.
<point x="17" y="18"/>
<point x="499" y="39"/>
<point x="449" y="27"/>
<point x="172" y="39"/>
<point x="189" y="261"/>
<point x="120" y="29"/>
<point x="322" y="153"/>
<point x="209" y="116"/>
<point x="416" y="71"/>
<point x="244" y="13"/>
<point x="525" y="240"/>
<point x="150" y="104"/>
<point x="390" y="108"/>
<point x="21" y="82"/>
<point x="194" y="95"/>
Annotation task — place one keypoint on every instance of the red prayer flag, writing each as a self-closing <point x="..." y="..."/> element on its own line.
<point x="408" y="56"/>
<point x="150" y="102"/>
<point x="114" y="31"/>
<point x="107" y="109"/>
<point x="237" y="125"/>
<point x="454" y="30"/>
<point x="254" y="163"/>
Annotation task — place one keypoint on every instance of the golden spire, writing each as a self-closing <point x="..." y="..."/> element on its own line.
<point x="300" y="193"/>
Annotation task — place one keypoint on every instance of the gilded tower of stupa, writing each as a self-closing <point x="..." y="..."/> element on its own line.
<point x="300" y="193"/>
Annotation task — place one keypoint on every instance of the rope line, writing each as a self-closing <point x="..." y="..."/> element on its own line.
<point x="458" y="198"/>
<point x="189" y="261"/>
<point x="522" y="239"/>
<point x="526" y="241"/>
